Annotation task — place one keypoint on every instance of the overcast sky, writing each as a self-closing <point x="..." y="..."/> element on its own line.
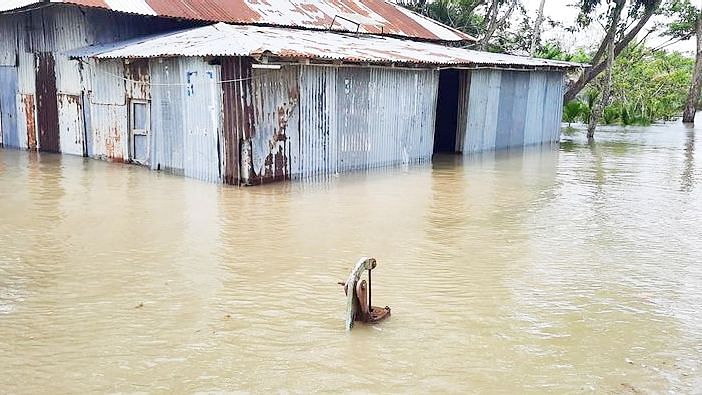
<point x="562" y="11"/>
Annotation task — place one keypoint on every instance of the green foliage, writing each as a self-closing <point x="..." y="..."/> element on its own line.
<point x="553" y="50"/>
<point x="458" y="14"/>
<point x="647" y="86"/>
<point x="651" y="86"/>
<point x="682" y="15"/>
<point x="610" y="115"/>
<point x="471" y="16"/>
<point x="572" y="111"/>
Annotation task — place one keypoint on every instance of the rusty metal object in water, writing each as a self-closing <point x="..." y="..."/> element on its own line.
<point x="358" y="303"/>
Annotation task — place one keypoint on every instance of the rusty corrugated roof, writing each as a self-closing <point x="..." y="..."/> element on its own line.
<point x="237" y="40"/>
<point x="366" y="16"/>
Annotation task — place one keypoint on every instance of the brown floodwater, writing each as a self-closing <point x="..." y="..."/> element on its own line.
<point x="572" y="269"/>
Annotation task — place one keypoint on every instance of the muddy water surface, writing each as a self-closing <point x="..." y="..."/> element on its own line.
<point x="573" y="269"/>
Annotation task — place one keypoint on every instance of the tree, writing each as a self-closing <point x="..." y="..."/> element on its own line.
<point x="687" y="22"/>
<point x="620" y="27"/>
<point x="614" y="16"/>
<point x="693" y="97"/>
<point x="495" y="19"/>
<point x="459" y="14"/>
<point x="489" y="20"/>
<point x="536" y="33"/>
<point x="647" y="86"/>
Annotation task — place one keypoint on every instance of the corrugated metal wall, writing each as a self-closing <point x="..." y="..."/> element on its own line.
<point x="306" y="121"/>
<point x="36" y="40"/>
<point x="508" y="109"/>
<point x="276" y="114"/>
<point x="402" y="115"/>
<point x="316" y="150"/>
<point x="185" y="99"/>
<point x="167" y="116"/>
<point x="300" y="121"/>
<point x="202" y="120"/>
<point x="71" y="125"/>
<point x="9" y="132"/>
<point x="360" y="118"/>
<point x="8" y="42"/>
<point x="237" y="114"/>
<point x="108" y="110"/>
<point x="464" y="79"/>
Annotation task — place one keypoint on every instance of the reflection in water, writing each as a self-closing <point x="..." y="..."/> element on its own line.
<point x="688" y="174"/>
<point x="544" y="270"/>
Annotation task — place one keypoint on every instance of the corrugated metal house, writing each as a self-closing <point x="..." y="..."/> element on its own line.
<point x="289" y="90"/>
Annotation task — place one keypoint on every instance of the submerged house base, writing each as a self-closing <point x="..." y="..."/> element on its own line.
<point x="249" y="105"/>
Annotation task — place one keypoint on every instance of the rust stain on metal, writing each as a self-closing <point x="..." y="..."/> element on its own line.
<point x="28" y="104"/>
<point x="238" y="112"/>
<point x="276" y="163"/>
<point x="138" y="70"/>
<point x="373" y="16"/>
<point x="113" y="146"/>
<point x="47" y="106"/>
<point x="400" y="23"/>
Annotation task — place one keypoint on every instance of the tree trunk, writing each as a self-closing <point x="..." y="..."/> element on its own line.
<point x="491" y="17"/>
<point x="693" y="95"/>
<point x="609" y="65"/>
<point x="597" y="66"/>
<point x="536" y="34"/>
<point x="494" y="22"/>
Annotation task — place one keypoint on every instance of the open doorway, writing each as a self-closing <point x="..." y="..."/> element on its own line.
<point x="447" y="112"/>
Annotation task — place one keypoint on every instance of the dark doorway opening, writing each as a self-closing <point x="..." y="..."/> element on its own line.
<point x="447" y="112"/>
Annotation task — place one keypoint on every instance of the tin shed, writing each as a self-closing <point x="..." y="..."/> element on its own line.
<point x="299" y="103"/>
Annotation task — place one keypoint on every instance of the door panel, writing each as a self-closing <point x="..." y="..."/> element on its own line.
<point x="71" y="124"/>
<point x="139" y="130"/>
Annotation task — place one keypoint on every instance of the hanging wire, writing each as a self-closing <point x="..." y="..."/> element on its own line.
<point x="116" y="76"/>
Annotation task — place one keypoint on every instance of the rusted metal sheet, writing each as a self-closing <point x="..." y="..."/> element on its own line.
<point x="109" y="131"/>
<point x="261" y="121"/>
<point x="29" y="121"/>
<point x="364" y="16"/>
<point x="256" y="41"/>
<point x="238" y="116"/>
<point x="71" y="125"/>
<point x="138" y="79"/>
<point x="47" y="106"/>
<point x="275" y="101"/>
<point x="108" y="110"/>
